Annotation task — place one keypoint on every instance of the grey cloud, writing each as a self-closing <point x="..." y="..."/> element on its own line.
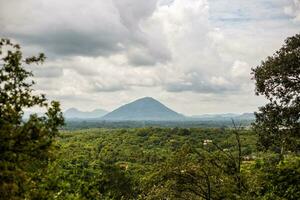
<point x="72" y="97"/>
<point x="94" y="28"/>
<point x="65" y="28"/>
<point x="47" y="72"/>
<point x="146" y="56"/>
<point x="45" y="85"/>
<point x="141" y="59"/>
<point x="166" y="2"/>
<point x="144" y="49"/>
<point x="133" y="11"/>
<point x="293" y="10"/>
<point x="201" y="83"/>
<point x="97" y="87"/>
<point x="71" y="42"/>
<point x="200" y="87"/>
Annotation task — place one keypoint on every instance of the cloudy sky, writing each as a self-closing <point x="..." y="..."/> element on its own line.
<point x="195" y="56"/>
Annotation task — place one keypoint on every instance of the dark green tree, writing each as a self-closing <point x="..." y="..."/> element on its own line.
<point x="278" y="79"/>
<point x="25" y="146"/>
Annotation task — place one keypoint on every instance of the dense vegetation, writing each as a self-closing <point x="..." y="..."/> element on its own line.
<point x="165" y="163"/>
<point x="127" y="160"/>
<point x="84" y="124"/>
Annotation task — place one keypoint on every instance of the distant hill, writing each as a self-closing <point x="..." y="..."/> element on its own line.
<point x="247" y="116"/>
<point x="222" y="117"/>
<point x="74" y="113"/>
<point x="216" y="116"/>
<point x="144" y="109"/>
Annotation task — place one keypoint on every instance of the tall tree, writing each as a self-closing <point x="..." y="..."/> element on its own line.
<point x="278" y="79"/>
<point x="25" y="146"/>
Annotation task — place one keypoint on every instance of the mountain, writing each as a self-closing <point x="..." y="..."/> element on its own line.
<point x="144" y="109"/>
<point x="74" y="113"/>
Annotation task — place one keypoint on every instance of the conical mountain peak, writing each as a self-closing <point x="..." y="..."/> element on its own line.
<point x="146" y="108"/>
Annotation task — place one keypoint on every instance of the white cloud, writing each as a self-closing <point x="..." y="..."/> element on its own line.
<point x="190" y="54"/>
<point x="293" y="10"/>
<point x="240" y="69"/>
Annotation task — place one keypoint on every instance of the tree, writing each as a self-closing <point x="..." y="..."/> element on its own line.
<point x="278" y="79"/>
<point x="25" y="146"/>
<point x="196" y="174"/>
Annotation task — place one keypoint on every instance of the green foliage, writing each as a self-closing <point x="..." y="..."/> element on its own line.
<point x="25" y="146"/>
<point x="191" y="174"/>
<point x="278" y="79"/>
<point x="146" y="163"/>
<point x="278" y="125"/>
<point x="163" y="163"/>
<point x="270" y="178"/>
<point x="79" y="172"/>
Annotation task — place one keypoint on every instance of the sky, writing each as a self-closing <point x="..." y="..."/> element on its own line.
<point x="195" y="56"/>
